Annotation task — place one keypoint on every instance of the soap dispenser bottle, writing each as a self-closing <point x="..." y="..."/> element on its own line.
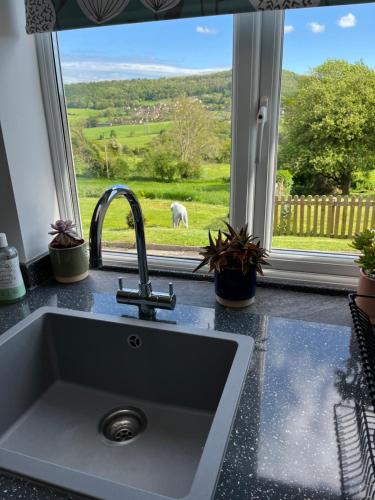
<point x="12" y="287"/>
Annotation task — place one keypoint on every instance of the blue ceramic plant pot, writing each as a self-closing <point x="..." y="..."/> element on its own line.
<point x="235" y="289"/>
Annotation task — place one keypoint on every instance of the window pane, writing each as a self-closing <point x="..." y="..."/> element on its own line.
<point x="325" y="181"/>
<point x="149" y="105"/>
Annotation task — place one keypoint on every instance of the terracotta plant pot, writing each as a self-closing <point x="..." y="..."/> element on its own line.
<point x="366" y="286"/>
<point x="70" y="264"/>
<point x="235" y="289"/>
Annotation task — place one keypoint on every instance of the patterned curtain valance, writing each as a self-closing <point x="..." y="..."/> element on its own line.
<point x="57" y="15"/>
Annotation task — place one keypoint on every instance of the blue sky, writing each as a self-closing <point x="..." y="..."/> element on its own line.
<point x="345" y="32"/>
<point x="200" y="45"/>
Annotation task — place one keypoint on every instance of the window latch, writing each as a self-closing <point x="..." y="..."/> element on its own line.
<point x="262" y="117"/>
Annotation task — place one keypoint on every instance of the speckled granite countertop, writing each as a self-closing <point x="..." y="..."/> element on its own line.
<point x="284" y="443"/>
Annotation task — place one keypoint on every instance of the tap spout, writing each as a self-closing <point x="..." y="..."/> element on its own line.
<point x="96" y="229"/>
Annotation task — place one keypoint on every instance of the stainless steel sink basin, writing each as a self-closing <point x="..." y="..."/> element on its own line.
<point x="117" y="408"/>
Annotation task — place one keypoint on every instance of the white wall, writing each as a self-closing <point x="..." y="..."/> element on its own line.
<point x="8" y="210"/>
<point x="26" y="161"/>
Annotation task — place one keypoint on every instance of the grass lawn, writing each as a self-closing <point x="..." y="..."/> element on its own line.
<point x="157" y="213"/>
<point x="319" y="244"/>
<point x="206" y="199"/>
<point x="202" y="216"/>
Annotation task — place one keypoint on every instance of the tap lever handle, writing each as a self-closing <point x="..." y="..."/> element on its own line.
<point x="120" y="284"/>
<point x="171" y="289"/>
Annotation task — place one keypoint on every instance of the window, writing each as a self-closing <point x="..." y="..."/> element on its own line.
<point x="246" y="190"/>
<point x="156" y="116"/>
<point x="325" y="177"/>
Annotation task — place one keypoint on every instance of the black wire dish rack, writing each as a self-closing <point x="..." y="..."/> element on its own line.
<point x="365" y="335"/>
<point x="355" y="427"/>
<point x="355" y="421"/>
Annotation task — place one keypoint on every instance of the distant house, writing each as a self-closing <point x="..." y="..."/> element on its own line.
<point x="104" y="124"/>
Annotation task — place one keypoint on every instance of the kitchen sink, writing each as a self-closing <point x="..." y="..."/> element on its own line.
<point x="118" y="408"/>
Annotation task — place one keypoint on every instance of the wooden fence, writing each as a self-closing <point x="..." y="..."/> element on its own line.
<point x="326" y="216"/>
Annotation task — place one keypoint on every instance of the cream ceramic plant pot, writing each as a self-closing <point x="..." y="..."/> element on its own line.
<point x="366" y="286"/>
<point x="70" y="264"/>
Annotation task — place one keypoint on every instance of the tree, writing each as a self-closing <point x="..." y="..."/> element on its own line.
<point x="188" y="170"/>
<point x="158" y="162"/>
<point x="224" y="150"/>
<point x="192" y="133"/>
<point x="329" y="124"/>
<point x="115" y="146"/>
<point x="119" y="168"/>
<point x="87" y="160"/>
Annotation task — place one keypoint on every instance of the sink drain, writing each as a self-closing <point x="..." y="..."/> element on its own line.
<point x="123" y="424"/>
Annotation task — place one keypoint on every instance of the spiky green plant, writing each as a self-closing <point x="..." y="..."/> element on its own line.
<point x="365" y="243"/>
<point x="233" y="249"/>
<point x="65" y="235"/>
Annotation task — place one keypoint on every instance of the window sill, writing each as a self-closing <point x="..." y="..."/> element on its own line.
<point x="314" y="263"/>
<point x="300" y="278"/>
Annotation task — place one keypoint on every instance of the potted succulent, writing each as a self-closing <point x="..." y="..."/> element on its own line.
<point x="236" y="257"/>
<point x="68" y="253"/>
<point x="365" y="243"/>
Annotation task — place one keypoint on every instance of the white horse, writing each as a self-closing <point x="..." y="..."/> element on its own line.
<point x="179" y="213"/>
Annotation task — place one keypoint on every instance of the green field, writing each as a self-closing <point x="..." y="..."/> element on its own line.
<point x="132" y="136"/>
<point x="76" y="115"/>
<point x="203" y="214"/>
<point x="135" y="158"/>
<point x="124" y="131"/>
<point x="206" y="198"/>
<point x="213" y="188"/>
<point x="159" y="229"/>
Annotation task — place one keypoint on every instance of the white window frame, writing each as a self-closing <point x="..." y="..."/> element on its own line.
<point x="257" y="57"/>
<point x="308" y="265"/>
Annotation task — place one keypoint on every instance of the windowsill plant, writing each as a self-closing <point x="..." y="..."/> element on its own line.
<point x="365" y="243"/>
<point x="68" y="253"/>
<point x="236" y="257"/>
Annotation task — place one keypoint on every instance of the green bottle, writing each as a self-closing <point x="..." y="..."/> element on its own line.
<point x="12" y="287"/>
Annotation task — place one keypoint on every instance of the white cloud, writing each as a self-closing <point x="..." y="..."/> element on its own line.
<point x="288" y="28"/>
<point x="348" y="21"/>
<point x="96" y="70"/>
<point x="205" y="30"/>
<point x="316" y="27"/>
